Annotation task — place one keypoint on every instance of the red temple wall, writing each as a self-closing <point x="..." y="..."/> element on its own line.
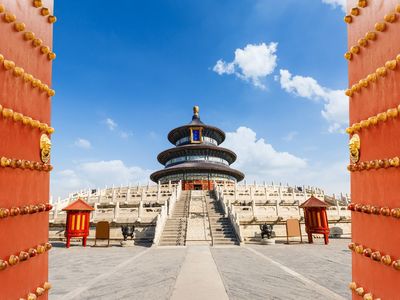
<point x="376" y="187"/>
<point x="24" y="187"/>
<point x="190" y="184"/>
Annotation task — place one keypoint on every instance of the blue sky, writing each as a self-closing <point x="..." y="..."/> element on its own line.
<point x="126" y="74"/>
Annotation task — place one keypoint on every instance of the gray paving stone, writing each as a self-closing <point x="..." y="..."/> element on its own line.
<point x="249" y="272"/>
<point x="248" y="276"/>
<point x="329" y="265"/>
<point x="72" y="268"/>
<point x="151" y="277"/>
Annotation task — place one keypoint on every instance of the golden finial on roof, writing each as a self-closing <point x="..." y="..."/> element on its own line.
<point x="196" y="110"/>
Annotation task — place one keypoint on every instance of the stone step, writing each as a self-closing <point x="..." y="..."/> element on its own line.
<point x="170" y="235"/>
<point x="222" y="230"/>
<point x="227" y="238"/>
<point x="218" y="225"/>
<point x="173" y="237"/>
<point x="226" y="243"/>
<point x="224" y="237"/>
<point x="175" y="228"/>
<point x="219" y="221"/>
<point x="171" y="244"/>
<point x="173" y="232"/>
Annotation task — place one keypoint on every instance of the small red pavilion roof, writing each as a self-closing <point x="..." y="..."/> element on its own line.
<point x="78" y="205"/>
<point x="314" y="202"/>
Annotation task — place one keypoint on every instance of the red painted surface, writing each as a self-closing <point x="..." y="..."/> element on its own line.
<point x="77" y="225"/>
<point x="23" y="187"/>
<point x="315" y="217"/>
<point x="197" y="184"/>
<point x="376" y="187"/>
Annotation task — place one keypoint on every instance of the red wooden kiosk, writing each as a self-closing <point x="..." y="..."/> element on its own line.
<point x="315" y="218"/>
<point x="77" y="225"/>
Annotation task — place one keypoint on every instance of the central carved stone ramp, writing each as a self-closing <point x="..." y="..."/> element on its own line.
<point x="222" y="230"/>
<point x="174" y="233"/>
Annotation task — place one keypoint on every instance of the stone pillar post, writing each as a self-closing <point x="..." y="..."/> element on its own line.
<point x="113" y="194"/>
<point x="140" y="210"/>
<point x="253" y="203"/>
<point x="279" y="200"/>
<point x="158" y="191"/>
<point x="235" y="191"/>
<point x="94" y="213"/>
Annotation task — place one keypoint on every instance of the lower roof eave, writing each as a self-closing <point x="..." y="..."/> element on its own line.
<point x="156" y="176"/>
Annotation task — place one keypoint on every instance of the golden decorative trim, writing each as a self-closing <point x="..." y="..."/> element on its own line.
<point x="24" y="164"/>
<point x="45" y="148"/>
<point x="354" y="148"/>
<point x="23" y="255"/>
<point x="200" y="129"/>
<point x="360" y="291"/>
<point x="20" y="27"/>
<point x="390" y="65"/>
<point x="38" y="292"/>
<point x="20" y="73"/>
<point x="370" y="36"/>
<point x="382" y="117"/>
<point x="24" y="210"/>
<point x="375" y="255"/>
<point x="44" y="11"/>
<point x="8" y="113"/>
<point x="355" y="11"/>
<point x="374" y="210"/>
<point x="196" y="110"/>
<point x="375" y="164"/>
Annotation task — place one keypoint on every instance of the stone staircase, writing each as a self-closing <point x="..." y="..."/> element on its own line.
<point x="221" y="228"/>
<point x="174" y="233"/>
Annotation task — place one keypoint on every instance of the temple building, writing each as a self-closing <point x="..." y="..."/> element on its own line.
<point x="197" y="160"/>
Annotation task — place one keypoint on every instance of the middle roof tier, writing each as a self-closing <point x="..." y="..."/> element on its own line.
<point x="197" y="150"/>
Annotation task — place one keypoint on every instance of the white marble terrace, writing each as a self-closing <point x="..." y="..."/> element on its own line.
<point x="251" y="202"/>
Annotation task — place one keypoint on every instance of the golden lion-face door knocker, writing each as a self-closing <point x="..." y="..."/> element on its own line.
<point x="45" y="148"/>
<point x="354" y="147"/>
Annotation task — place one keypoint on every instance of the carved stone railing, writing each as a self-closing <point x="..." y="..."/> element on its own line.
<point x="166" y="211"/>
<point x="229" y="211"/>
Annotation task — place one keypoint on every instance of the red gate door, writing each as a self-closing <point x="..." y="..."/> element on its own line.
<point x="25" y="100"/>
<point x="374" y="90"/>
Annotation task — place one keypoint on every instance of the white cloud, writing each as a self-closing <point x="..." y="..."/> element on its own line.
<point x="153" y="135"/>
<point x="111" y="124"/>
<point x="82" y="143"/>
<point x="253" y="63"/>
<point x="305" y="87"/>
<point x="96" y="174"/>
<point x="257" y="157"/>
<point x="290" y="136"/>
<point x="335" y="101"/>
<point x="125" y="135"/>
<point x="222" y="67"/>
<point x="336" y="3"/>
<point x="260" y="161"/>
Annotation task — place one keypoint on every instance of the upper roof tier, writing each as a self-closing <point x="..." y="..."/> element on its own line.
<point x="184" y="131"/>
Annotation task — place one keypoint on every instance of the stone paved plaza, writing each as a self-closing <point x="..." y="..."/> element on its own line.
<point x="296" y="271"/>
